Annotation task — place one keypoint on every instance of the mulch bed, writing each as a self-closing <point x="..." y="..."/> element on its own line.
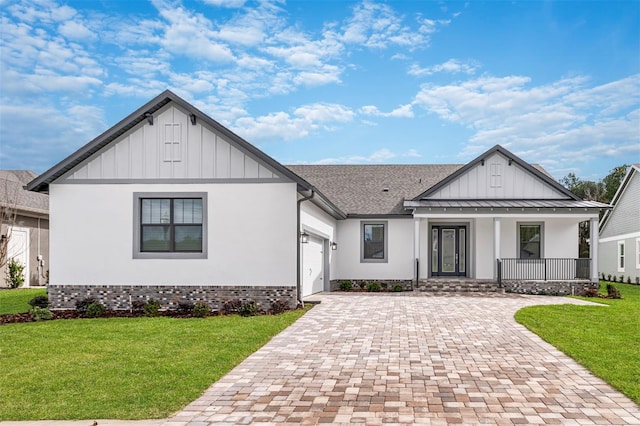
<point x="74" y="314"/>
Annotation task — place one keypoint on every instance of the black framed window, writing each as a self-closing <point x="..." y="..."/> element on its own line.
<point x="171" y="225"/>
<point x="530" y="241"/>
<point x="374" y="242"/>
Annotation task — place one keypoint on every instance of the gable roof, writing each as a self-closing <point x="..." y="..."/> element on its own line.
<point x="634" y="169"/>
<point x="537" y="172"/>
<point x="41" y="183"/>
<point x="13" y="194"/>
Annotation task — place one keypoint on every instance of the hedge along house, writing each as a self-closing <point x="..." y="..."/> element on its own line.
<point x="619" y="252"/>
<point x="169" y="204"/>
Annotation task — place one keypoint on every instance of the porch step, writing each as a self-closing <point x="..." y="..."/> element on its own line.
<point x="452" y="285"/>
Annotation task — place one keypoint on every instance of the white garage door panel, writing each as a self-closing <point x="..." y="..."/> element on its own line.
<point x="312" y="266"/>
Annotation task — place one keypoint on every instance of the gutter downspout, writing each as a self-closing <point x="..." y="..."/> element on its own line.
<point x="298" y="250"/>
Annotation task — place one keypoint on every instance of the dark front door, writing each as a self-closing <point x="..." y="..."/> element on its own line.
<point x="448" y="251"/>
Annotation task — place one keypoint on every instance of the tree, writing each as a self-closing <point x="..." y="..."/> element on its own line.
<point x="612" y="181"/>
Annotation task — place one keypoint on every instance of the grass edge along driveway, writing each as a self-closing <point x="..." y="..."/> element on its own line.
<point x="122" y="368"/>
<point x="606" y="340"/>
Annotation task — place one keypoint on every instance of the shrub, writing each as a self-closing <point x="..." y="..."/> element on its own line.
<point x="96" y="310"/>
<point x="373" y="286"/>
<point x="591" y="292"/>
<point x="151" y="308"/>
<point x="346" y="285"/>
<point x="186" y="308"/>
<point x="613" y="292"/>
<point x="137" y="306"/>
<point x="249" y="309"/>
<point x="232" y="306"/>
<point x="621" y="279"/>
<point x="609" y="277"/>
<point x="397" y="287"/>
<point x="603" y="277"/>
<point x="628" y="280"/>
<point x="40" y="302"/>
<point x="201" y="310"/>
<point x="40" y="314"/>
<point x="83" y="304"/>
<point x="637" y="280"/>
<point x="384" y="286"/>
<point x="15" y="274"/>
<point x="279" y="306"/>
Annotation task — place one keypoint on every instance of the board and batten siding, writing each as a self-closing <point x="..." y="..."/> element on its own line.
<point x="496" y="179"/>
<point x="171" y="148"/>
<point x="625" y="217"/>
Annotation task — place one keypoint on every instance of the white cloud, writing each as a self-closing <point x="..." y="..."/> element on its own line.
<point x="76" y="31"/>
<point x="303" y="121"/>
<point x="225" y="3"/>
<point x="383" y="155"/>
<point x="452" y="66"/>
<point x="403" y="111"/>
<point x="554" y="120"/>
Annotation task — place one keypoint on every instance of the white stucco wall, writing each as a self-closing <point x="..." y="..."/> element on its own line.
<point x="400" y="252"/>
<point x="315" y="221"/>
<point x="251" y="236"/>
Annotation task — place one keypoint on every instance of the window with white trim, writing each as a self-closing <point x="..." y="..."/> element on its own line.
<point x="620" y="256"/>
<point x="170" y="225"/>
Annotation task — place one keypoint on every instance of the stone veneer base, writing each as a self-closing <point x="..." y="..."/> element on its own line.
<point x="549" y="288"/>
<point x="120" y="297"/>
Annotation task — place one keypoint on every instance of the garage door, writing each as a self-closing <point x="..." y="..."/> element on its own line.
<point x="312" y="266"/>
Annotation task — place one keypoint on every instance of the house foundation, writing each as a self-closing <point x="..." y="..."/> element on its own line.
<point x="121" y="297"/>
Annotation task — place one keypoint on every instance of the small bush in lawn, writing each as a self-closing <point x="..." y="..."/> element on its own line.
<point x="39" y="301"/>
<point x="279" y="306"/>
<point x="83" y="304"/>
<point x="628" y="280"/>
<point x="232" y="306"/>
<point x="621" y="279"/>
<point x="613" y="292"/>
<point x="609" y="277"/>
<point x="604" y="277"/>
<point x="185" y="308"/>
<point x="249" y="309"/>
<point x="15" y="273"/>
<point x="591" y="292"/>
<point x="201" y="310"/>
<point x="384" y="286"/>
<point x="373" y="286"/>
<point x="346" y="285"/>
<point x="151" y="308"/>
<point x="96" y="310"/>
<point x="397" y="287"/>
<point x="40" y="314"/>
<point x="637" y="280"/>
<point x="363" y="285"/>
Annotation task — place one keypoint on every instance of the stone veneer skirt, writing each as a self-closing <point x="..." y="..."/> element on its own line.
<point x="122" y="296"/>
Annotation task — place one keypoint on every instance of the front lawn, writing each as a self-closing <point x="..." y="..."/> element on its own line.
<point x="16" y="301"/>
<point x="122" y="368"/>
<point x="606" y="340"/>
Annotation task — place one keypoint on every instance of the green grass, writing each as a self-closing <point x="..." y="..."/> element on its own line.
<point x="16" y="301"/>
<point x="122" y="368"/>
<point x="606" y="340"/>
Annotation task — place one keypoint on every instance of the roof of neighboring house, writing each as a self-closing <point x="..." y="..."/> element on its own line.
<point x="13" y="193"/>
<point x="373" y="189"/>
<point x="633" y="169"/>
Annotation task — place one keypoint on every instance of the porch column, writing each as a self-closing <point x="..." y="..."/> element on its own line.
<point x="593" y="249"/>
<point x="496" y="245"/>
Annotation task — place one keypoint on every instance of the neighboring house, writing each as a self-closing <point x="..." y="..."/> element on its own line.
<point x="25" y="226"/>
<point x="619" y="252"/>
<point x="169" y="204"/>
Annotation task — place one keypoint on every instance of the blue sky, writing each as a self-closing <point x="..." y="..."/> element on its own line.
<point x="325" y="82"/>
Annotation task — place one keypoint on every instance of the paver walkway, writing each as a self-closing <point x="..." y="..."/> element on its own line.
<point x="375" y="359"/>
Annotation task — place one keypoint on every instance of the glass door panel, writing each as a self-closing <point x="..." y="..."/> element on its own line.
<point x="448" y="250"/>
<point x="461" y="251"/>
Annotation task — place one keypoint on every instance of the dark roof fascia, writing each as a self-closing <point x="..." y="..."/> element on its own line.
<point x="41" y="183"/>
<point x="510" y="156"/>
<point x="633" y="169"/>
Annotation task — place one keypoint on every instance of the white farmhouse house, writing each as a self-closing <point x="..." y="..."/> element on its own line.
<point x="619" y="251"/>
<point x="171" y="205"/>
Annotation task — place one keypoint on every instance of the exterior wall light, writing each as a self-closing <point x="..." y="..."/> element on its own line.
<point x="334" y="246"/>
<point x="304" y="237"/>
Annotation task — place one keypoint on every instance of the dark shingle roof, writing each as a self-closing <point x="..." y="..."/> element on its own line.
<point x="360" y="189"/>
<point x="13" y="194"/>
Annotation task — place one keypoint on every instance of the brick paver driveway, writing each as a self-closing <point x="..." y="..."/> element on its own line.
<point x="364" y="358"/>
